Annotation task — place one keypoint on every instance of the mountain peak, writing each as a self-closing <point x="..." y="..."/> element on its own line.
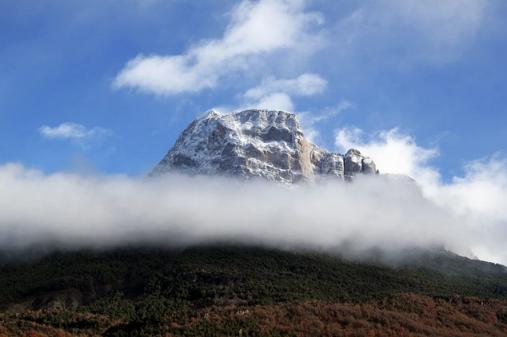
<point x="257" y="143"/>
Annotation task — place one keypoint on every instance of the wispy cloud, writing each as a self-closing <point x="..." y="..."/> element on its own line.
<point x="273" y="93"/>
<point x="255" y="29"/>
<point x="399" y="33"/>
<point x="326" y="113"/>
<point x="74" y="132"/>
<point x="411" y="31"/>
<point x="304" y="85"/>
<point x="311" y="119"/>
<point x="275" y="101"/>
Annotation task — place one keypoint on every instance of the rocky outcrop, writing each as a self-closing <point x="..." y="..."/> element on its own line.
<point x="355" y="163"/>
<point x="264" y="144"/>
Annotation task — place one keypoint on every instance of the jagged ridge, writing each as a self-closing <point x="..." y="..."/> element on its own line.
<point x="266" y="144"/>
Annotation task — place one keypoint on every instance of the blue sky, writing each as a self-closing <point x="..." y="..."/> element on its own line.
<point x="107" y="85"/>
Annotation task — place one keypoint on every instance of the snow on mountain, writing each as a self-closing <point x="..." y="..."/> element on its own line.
<point x="264" y="144"/>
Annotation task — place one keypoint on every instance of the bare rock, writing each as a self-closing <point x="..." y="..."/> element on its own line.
<point x="265" y="144"/>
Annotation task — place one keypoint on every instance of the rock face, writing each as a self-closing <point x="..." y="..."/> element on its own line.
<point x="257" y="144"/>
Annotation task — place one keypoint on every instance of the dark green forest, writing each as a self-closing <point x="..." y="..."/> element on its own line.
<point x="152" y="291"/>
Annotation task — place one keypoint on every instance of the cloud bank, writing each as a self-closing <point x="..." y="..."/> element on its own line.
<point x="479" y="196"/>
<point x="383" y="212"/>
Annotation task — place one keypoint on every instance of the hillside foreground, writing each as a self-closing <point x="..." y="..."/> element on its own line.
<point x="231" y="290"/>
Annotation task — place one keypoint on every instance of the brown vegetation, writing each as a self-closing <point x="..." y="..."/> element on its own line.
<point x="401" y="315"/>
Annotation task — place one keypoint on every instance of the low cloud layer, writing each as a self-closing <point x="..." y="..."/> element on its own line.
<point x="479" y="195"/>
<point x="383" y="212"/>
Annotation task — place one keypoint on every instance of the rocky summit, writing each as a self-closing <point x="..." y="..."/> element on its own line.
<point x="264" y="144"/>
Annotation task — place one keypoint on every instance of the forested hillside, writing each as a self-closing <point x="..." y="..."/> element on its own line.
<point x="249" y="291"/>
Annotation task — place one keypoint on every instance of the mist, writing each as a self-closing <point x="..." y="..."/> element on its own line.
<point x="386" y="212"/>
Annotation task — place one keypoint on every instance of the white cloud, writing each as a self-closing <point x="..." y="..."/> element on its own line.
<point x="373" y="212"/>
<point x="482" y="190"/>
<point x="396" y="32"/>
<point x="75" y="132"/>
<point x="479" y="196"/>
<point x="393" y="152"/>
<point x="273" y="101"/>
<point x="256" y="29"/>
